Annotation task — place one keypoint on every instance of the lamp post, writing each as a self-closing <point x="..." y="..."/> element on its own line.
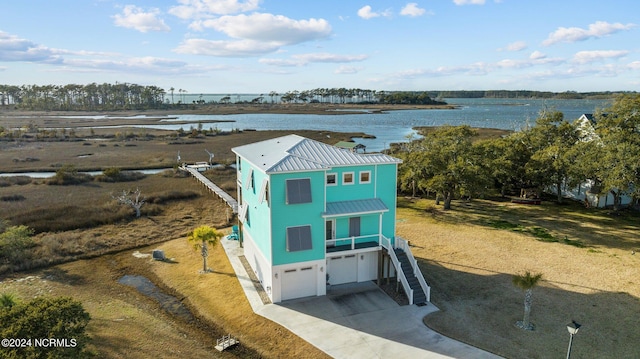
<point x="573" y="330"/>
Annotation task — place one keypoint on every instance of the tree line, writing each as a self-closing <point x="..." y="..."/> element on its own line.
<point x="552" y="154"/>
<point x="127" y="96"/>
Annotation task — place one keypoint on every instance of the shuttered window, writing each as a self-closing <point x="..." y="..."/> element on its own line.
<point x="298" y="238"/>
<point x="298" y="191"/>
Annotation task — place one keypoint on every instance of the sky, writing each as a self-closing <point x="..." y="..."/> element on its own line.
<point x="259" y="46"/>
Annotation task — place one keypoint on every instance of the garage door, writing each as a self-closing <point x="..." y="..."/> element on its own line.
<point x="343" y="269"/>
<point x="299" y="282"/>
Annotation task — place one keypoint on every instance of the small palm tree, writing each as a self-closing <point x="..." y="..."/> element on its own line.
<point x="7" y="300"/>
<point x="526" y="282"/>
<point x="201" y="237"/>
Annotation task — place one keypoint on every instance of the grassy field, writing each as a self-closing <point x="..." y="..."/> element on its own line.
<point x="470" y="254"/>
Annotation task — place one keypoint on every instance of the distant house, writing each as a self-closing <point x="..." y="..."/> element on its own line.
<point x="314" y="215"/>
<point x="590" y="192"/>
<point x="351" y="146"/>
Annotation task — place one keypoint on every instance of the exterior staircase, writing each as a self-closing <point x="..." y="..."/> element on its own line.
<point x="419" y="296"/>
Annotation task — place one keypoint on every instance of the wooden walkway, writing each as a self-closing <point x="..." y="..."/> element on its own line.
<point x="211" y="186"/>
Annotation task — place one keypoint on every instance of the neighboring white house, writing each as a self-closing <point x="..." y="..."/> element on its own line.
<point x="589" y="192"/>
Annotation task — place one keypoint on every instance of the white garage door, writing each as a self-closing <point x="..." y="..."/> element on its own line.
<point x="299" y="282"/>
<point x="343" y="269"/>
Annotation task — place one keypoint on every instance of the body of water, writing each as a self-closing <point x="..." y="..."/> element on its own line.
<point x="395" y="126"/>
<point x="392" y="126"/>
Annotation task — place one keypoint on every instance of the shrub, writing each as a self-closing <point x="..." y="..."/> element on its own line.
<point x="15" y="180"/>
<point x="68" y="175"/>
<point x="13" y="198"/>
<point x="15" y="243"/>
<point x="167" y="196"/>
<point x="43" y="318"/>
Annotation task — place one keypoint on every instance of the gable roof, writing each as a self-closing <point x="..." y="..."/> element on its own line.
<point x="295" y="153"/>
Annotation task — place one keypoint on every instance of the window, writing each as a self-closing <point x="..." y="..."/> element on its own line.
<point x="332" y="179"/>
<point x="365" y="177"/>
<point x="298" y="191"/>
<point x="347" y="178"/>
<point x="264" y="191"/>
<point x="298" y="238"/>
<point x="354" y="227"/>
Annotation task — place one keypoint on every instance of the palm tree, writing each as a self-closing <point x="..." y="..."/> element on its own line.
<point x="200" y="238"/>
<point x="7" y="300"/>
<point x="526" y="282"/>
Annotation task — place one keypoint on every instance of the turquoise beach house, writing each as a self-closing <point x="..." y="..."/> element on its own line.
<point x="313" y="215"/>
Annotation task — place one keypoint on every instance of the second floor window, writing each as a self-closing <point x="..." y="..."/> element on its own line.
<point x="298" y="191"/>
<point x="332" y="179"/>
<point x="347" y="178"/>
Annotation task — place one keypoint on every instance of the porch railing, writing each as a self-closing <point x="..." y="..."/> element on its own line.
<point x="352" y="241"/>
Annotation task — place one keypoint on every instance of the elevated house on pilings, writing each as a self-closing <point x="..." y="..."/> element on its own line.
<point x="314" y="215"/>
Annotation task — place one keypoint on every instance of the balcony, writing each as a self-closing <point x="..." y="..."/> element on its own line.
<point x="352" y="243"/>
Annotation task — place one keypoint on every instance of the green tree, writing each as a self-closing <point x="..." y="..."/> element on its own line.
<point x="526" y="282"/>
<point x="449" y="163"/>
<point x="201" y="238"/>
<point x="505" y="159"/>
<point x="62" y="319"/>
<point x="618" y="129"/>
<point x="551" y="157"/>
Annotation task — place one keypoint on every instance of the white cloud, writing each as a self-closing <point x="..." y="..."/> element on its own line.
<point x="13" y="48"/>
<point x="515" y="46"/>
<point x="537" y="55"/>
<point x="366" y="13"/>
<point x="197" y="9"/>
<point x="469" y="2"/>
<point x="239" y="48"/>
<point x="268" y="27"/>
<point x="635" y="65"/>
<point x="347" y="70"/>
<point x="583" y="57"/>
<point x="412" y="9"/>
<point x="305" y="59"/>
<point x="595" y="30"/>
<point x="136" y="18"/>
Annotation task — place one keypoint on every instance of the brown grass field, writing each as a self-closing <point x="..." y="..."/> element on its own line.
<point x="468" y="255"/>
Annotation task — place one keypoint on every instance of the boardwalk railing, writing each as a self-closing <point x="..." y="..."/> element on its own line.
<point x="212" y="186"/>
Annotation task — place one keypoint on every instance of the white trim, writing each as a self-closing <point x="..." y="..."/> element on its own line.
<point x="353" y="214"/>
<point x="242" y="216"/>
<point x="360" y="181"/>
<point x="263" y="191"/>
<point x="353" y="178"/>
<point x="250" y="180"/>
<point x="326" y="176"/>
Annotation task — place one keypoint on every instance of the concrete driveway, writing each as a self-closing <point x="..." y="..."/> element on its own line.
<point x="356" y="320"/>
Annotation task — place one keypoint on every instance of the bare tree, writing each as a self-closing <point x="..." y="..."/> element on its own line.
<point x="131" y="198"/>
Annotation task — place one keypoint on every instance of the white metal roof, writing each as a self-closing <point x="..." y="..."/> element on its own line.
<point x="295" y="153"/>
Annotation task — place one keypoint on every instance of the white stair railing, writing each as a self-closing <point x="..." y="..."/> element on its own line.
<point x="398" y="267"/>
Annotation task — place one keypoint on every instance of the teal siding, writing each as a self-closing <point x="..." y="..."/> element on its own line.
<point x="258" y="213"/>
<point x="268" y="221"/>
<point x="342" y="192"/>
<point x="386" y="184"/>
<point x="291" y="215"/>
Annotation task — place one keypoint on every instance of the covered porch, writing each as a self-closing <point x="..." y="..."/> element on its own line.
<point x="352" y="225"/>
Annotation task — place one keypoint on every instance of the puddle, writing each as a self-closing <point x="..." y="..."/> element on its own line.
<point x="167" y="302"/>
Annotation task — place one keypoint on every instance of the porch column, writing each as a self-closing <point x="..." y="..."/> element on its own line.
<point x="380" y="228"/>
